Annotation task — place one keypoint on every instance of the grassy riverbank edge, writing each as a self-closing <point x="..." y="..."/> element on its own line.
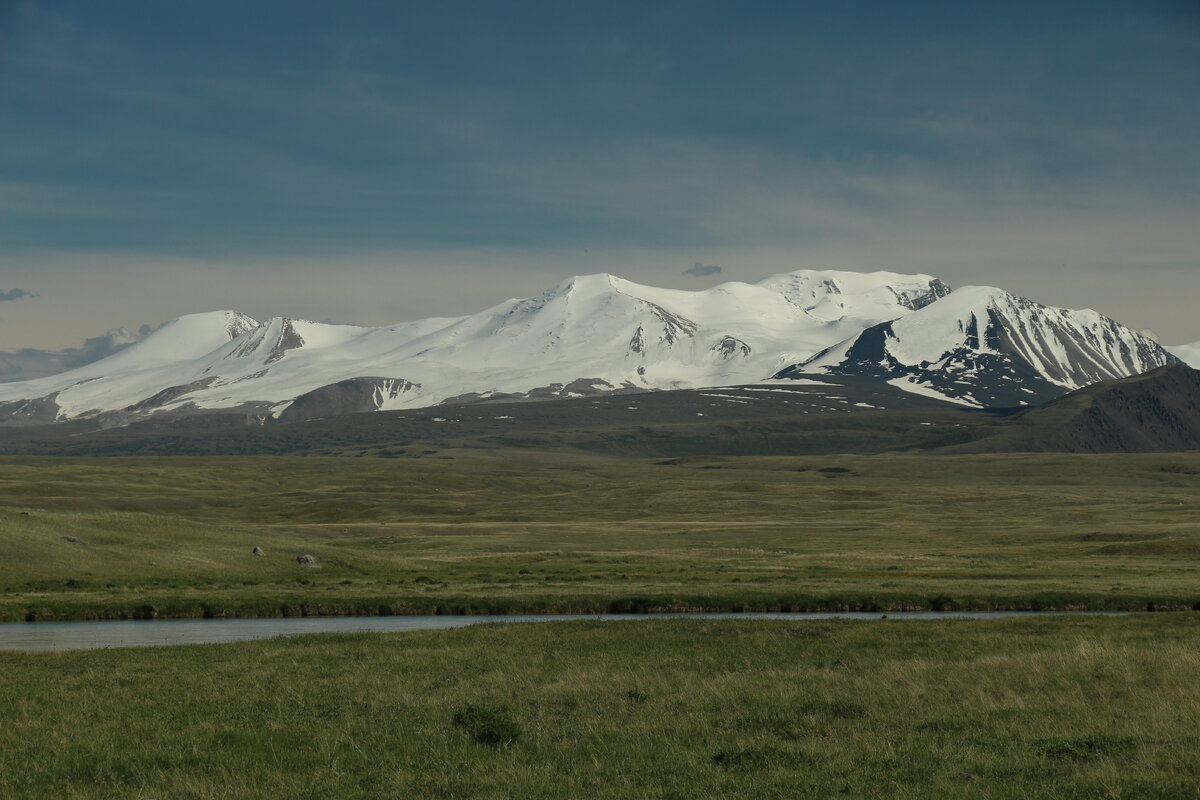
<point x="154" y="607"/>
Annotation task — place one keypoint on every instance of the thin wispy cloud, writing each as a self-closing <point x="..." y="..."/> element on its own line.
<point x="15" y="294"/>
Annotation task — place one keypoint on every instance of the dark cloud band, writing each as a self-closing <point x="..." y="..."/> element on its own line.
<point x="702" y="270"/>
<point x="15" y="294"/>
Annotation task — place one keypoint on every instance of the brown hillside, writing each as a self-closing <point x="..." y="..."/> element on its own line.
<point x="1156" y="412"/>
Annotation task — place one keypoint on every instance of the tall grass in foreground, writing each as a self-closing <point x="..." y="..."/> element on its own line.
<point x="1034" y="707"/>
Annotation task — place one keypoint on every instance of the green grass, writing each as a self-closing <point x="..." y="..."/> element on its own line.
<point x="104" y="538"/>
<point x="1044" y="707"/>
<point x="1047" y="707"/>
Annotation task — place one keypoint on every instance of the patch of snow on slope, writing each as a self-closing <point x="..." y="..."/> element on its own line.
<point x="911" y="386"/>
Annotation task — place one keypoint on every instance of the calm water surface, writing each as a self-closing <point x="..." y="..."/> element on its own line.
<point x="91" y="635"/>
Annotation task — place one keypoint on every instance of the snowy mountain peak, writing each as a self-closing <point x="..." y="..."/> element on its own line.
<point x="830" y="295"/>
<point x="986" y="347"/>
<point x="188" y="337"/>
<point x="585" y="284"/>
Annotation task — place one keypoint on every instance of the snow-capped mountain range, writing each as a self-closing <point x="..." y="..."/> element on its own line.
<point x="598" y="333"/>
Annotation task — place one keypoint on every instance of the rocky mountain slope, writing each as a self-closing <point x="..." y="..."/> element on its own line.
<point x="987" y="348"/>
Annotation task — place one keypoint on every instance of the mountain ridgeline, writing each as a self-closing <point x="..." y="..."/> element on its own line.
<point x="596" y="335"/>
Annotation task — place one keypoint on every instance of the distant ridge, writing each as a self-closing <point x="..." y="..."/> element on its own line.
<point x="1156" y="412"/>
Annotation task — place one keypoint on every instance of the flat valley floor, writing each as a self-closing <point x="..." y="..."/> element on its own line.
<point x="1043" y="706"/>
<point x="509" y="532"/>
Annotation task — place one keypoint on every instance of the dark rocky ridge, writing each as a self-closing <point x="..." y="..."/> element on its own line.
<point x="1020" y="354"/>
<point x="1156" y="412"/>
<point x="39" y="411"/>
<point x="937" y="289"/>
<point x="993" y="380"/>
<point x="353" y="396"/>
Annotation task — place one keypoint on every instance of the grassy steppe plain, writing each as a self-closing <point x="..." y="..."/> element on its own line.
<point x="1042" y="707"/>
<point x="470" y="531"/>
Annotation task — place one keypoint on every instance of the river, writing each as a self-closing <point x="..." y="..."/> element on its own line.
<point x="93" y="635"/>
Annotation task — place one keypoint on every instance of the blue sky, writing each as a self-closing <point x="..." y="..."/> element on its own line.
<point x="378" y="161"/>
